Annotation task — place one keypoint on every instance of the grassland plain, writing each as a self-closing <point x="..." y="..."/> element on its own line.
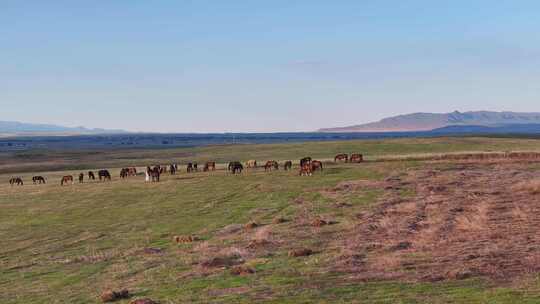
<point x="68" y="244"/>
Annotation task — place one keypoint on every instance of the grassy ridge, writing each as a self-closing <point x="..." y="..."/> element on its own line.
<point x="36" y="160"/>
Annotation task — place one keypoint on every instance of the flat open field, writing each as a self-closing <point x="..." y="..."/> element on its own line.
<point x="406" y="226"/>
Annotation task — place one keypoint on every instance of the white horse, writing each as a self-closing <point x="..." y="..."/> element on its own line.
<point x="147" y="177"/>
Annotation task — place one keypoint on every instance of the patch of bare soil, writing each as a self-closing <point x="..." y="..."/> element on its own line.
<point x="466" y="220"/>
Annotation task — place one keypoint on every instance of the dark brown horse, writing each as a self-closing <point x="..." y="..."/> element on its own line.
<point x="91" y="175"/>
<point x="287" y="165"/>
<point x="153" y="174"/>
<point x="172" y="169"/>
<point x="316" y="165"/>
<point x="189" y="168"/>
<point x="66" y="179"/>
<point x="16" y="181"/>
<point x="104" y="175"/>
<point x="271" y="164"/>
<point x="305" y="160"/>
<point x="81" y="178"/>
<point x="357" y="158"/>
<point x="235" y="167"/>
<point x="209" y="166"/>
<point x="131" y="171"/>
<point x="341" y="157"/>
<point x="38" y="179"/>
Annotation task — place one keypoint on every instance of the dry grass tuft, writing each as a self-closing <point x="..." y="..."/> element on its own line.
<point x="532" y="186"/>
<point x="300" y="252"/>
<point x="111" y="295"/>
<point x="225" y="258"/>
<point x="318" y="222"/>
<point x="251" y="225"/>
<point x="242" y="270"/>
<point x="185" y="239"/>
<point x="279" y="220"/>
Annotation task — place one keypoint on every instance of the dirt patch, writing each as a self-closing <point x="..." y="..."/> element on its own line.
<point x="466" y="220"/>
<point x="300" y="252"/>
<point x="242" y="270"/>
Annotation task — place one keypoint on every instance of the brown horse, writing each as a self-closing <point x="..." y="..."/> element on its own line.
<point x="81" y="178"/>
<point x="305" y="169"/>
<point x="271" y="164"/>
<point x="287" y="165"/>
<point x="341" y="157"/>
<point x="38" y="179"/>
<point x="16" y="181"/>
<point x="153" y="173"/>
<point x="91" y="175"/>
<point x="316" y="165"/>
<point x="189" y="168"/>
<point x="251" y="163"/>
<point x="209" y="166"/>
<point x="131" y="171"/>
<point x="357" y="158"/>
<point x="172" y="169"/>
<point x="66" y="179"/>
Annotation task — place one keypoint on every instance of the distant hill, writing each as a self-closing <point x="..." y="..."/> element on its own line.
<point x="13" y="128"/>
<point x="431" y="121"/>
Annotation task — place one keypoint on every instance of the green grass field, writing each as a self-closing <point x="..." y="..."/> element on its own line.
<point x="68" y="244"/>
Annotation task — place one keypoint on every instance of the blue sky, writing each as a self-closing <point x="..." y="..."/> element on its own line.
<point x="207" y="66"/>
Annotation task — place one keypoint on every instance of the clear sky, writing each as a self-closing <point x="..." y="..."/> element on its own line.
<point x="200" y="66"/>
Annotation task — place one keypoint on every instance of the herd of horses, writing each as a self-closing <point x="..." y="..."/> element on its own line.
<point x="308" y="166"/>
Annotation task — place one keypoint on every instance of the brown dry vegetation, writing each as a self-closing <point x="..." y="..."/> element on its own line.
<point x="466" y="220"/>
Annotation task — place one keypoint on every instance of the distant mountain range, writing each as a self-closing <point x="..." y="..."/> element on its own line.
<point x="444" y="122"/>
<point x="13" y="128"/>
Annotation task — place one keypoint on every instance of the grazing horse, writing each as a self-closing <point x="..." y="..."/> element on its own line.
<point x="38" y="179"/>
<point x="251" y="163"/>
<point x="16" y="180"/>
<point x="153" y="174"/>
<point x="357" y="158"/>
<point x="189" y="168"/>
<point x="104" y="174"/>
<point x="287" y="165"/>
<point x="316" y="165"/>
<point x="209" y="166"/>
<point x="271" y="164"/>
<point x="66" y="179"/>
<point x="81" y="178"/>
<point x="235" y="167"/>
<point x="341" y="157"/>
<point x="305" y="160"/>
<point x="91" y="175"/>
<point x="131" y="171"/>
<point x="305" y="169"/>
